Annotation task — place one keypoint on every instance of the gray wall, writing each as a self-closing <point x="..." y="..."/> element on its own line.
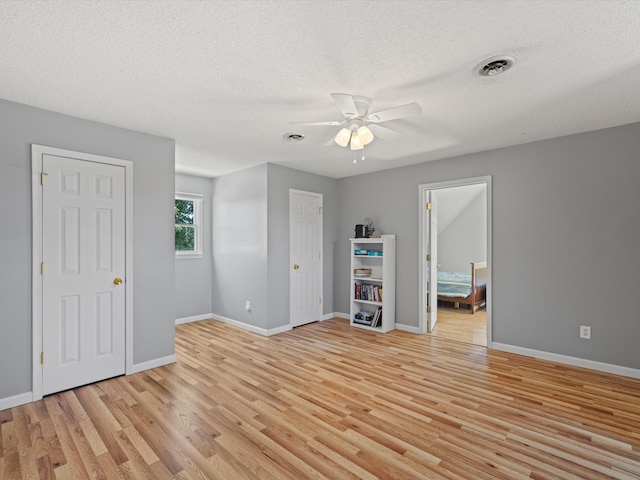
<point x="239" y="242"/>
<point x="193" y="275"/>
<point x="251" y="242"/>
<point x="280" y="180"/>
<point x="465" y="238"/>
<point x="565" y="239"/>
<point x="153" y="264"/>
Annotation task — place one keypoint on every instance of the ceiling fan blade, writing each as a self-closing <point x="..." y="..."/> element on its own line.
<point x="383" y="132"/>
<point x="334" y="123"/>
<point x="345" y="104"/>
<point x="395" y="112"/>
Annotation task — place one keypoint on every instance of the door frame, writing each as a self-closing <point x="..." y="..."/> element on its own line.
<point x="486" y="180"/>
<point x="37" y="152"/>
<point x="320" y="234"/>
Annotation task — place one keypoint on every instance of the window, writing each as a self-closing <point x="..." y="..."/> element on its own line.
<point x="188" y="220"/>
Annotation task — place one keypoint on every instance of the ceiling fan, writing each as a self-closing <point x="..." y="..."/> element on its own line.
<point x="359" y="127"/>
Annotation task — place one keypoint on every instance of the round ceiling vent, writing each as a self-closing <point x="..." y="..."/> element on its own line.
<point x="493" y="66"/>
<point x="293" y="137"/>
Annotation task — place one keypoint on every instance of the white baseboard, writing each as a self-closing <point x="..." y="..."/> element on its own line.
<point x="407" y="328"/>
<point x="196" y="318"/>
<point x="156" y="362"/>
<point x="251" y="328"/>
<point x="575" y="361"/>
<point x="336" y="314"/>
<point x="16" y="400"/>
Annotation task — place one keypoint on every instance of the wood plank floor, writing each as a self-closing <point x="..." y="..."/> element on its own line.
<point x="329" y="401"/>
<point x="459" y="324"/>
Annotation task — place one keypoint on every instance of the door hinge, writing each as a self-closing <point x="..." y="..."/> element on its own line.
<point x="42" y="268"/>
<point x="429" y="309"/>
<point x="428" y="257"/>
<point x="320" y="210"/>
<point x="319" y="255"/>
<point x="428" y="206"/>
<point x="319" y="300"/>
<point x="42" y="175"/>
<point x="42" y="358"/>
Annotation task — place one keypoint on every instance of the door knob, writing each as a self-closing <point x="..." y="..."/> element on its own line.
<point x="117" y="281"/>
<point x="296" y="266"/>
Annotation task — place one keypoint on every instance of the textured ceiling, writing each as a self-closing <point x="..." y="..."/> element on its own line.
<point x="226" y="78"/>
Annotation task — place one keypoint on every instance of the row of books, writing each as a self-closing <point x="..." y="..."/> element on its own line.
<point x="371" y="293"/>
<point x="370" y="319"/>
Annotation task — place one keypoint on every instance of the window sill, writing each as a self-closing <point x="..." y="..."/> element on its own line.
<point x="189" y="255"/>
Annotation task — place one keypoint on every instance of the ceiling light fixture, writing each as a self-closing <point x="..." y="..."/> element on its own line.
<point x="356" y="142"/>
<point x="355" y="136"/>
<point x="343" y="136"/>
<point x="492" y="66"/>
<point x="365" y="135"/>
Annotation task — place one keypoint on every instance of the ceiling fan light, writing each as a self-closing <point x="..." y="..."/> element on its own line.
<point x="366" y="136"/>
<point x="356" y="141"/>
<point x="342" y="138"/>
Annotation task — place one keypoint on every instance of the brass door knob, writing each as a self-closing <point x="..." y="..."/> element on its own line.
<point x="117" y="281"/>
<point x="296" y="266"/>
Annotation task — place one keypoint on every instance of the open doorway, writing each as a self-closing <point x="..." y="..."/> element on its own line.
<point x="455" y="250"/>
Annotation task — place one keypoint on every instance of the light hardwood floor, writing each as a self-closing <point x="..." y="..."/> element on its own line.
<point x="459" y="324"/>
<point x="330" y="401"/>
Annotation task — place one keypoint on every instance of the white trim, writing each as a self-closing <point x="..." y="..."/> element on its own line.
<point x="565" y="359"/>
<point x="408" y="328"/>
<point x="251" y="328"/>
<point x="155" y="363"/>
<point x="186" y="255"/>
<point x="198" y="205"/>
<point x="195" y="318"/>
<point x="329" y="316"/>
<point x="16" y="400"/>
<point x="422" y="328"/>
<point x="37" y="151"/>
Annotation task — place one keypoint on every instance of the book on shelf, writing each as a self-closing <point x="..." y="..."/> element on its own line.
<point x="363" y="318"/>
<point x="370" y="293"/>
<point x="362" y="322"/>
<point x="377" y="317"/>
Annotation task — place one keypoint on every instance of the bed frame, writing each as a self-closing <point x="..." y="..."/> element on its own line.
<point x="478" y="296"/>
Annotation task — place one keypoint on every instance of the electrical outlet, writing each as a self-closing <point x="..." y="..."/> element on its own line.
<point x="247" y="306"/>
<point x="585" y="332"/>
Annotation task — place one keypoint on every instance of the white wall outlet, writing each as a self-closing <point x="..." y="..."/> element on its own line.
<point x="247" y="307"/>
<point x="585" y="332"/>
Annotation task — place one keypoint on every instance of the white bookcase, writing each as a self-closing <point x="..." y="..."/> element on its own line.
<point x="374" y="288"/>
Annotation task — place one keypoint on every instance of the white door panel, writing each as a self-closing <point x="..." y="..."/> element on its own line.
<point x="83" y="252"/>
<point x="305" y="244"/>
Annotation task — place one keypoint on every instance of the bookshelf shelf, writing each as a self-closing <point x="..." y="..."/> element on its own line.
<point x="373" y="278"/>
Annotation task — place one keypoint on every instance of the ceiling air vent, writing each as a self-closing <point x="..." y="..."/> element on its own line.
<point x="493" y="66"/>
<point x="293" y="137"/>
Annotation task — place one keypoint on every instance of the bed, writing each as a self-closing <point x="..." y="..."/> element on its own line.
<point x="463" y="287"/>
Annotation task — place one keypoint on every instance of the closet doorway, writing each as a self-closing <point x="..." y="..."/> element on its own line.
<point x="455" y="260"/>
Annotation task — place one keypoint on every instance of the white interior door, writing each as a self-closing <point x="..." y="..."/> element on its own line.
<point x="83" y="292"/>
<point x="305" y="256"/>
<point x="431" y="259"/>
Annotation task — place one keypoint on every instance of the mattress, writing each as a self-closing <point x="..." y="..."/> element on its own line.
<point x="456" y="284"/>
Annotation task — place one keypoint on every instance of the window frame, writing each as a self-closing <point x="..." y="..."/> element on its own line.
<point x="197" y="200"/>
